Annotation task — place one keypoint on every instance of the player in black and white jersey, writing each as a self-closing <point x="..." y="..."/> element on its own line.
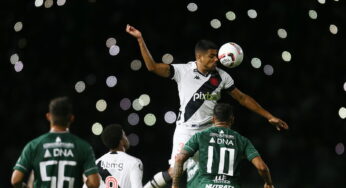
<point x="117" y="168"/>
<point x="199" y="85"/>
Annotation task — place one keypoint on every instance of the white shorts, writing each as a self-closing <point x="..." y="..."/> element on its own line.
<point x="181" y="136"/>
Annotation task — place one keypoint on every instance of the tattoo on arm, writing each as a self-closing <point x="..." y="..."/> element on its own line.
<point x="179" y="166"/>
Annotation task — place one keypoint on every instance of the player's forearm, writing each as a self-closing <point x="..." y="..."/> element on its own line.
<point x="178" y="171"/>
<point x="148" y="59"/>
<point x="265" y="174"/>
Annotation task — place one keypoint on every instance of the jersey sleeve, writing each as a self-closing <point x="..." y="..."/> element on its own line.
<point x="89" y="165"/>
<point x="176" y="71"/>
<point x="229" y="82"/>
<point x="192" y="145"/>
<point x="136" y="174"/>
<point x="250" y="151"/>
<point x="24" y="164"/>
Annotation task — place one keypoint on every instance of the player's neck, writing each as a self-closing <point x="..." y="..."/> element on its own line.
<point x="120" y="148"/>
<point x="222" y="124"/>
<point x="57" y="128"/>
<point x="201" y="69"/>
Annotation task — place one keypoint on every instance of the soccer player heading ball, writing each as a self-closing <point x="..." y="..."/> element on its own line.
<point x="199" y="84"/>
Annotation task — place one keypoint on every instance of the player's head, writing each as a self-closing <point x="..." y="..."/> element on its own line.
<point x="206" y="54"/>
<point x="114" y="138"/>
<point x="223" y="113"/>
<point x="60" y="112"/>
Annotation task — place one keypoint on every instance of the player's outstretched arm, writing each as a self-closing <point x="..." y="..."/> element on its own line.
<point x="178" y="167"/>
<point x="263" y="170"/>
<point x="160" y="69"/>
<point x="251" y="104"/>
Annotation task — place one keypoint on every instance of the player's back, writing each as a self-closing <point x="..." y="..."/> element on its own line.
<point x="118" y="169"/>
<point x="220" y="153"/>
<point x="58" y="160"/>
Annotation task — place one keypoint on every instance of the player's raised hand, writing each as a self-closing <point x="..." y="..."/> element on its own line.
<point x="133" y="31"/>
<point x="278" y="123"/>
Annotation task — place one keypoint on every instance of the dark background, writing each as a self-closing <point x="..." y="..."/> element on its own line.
<point x="66" y="44"/>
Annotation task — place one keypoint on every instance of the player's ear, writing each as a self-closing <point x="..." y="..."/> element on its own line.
<point x="48" y="116"/>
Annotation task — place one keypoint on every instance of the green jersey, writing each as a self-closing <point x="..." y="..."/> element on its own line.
<point x="220" y="152"/>
<point x="58" y="160"/>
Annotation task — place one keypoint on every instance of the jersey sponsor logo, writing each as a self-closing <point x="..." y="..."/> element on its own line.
<point x="218" y="186"/>
<point x="206" y="96"/>
<point x="224" y="141"/>
<point x="58" y="152"/>
<point x="221" y="135"/>
<point x="202" y="94"/>
<point x="108" y="165"/>
<point x="221" y="179"/>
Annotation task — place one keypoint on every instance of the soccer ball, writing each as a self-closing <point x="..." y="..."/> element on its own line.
<point x="230" y="55"/>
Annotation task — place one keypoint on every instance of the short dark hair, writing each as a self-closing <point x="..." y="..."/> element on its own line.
<point x="205" y="45"/>
<point x="112" y="135"/>
<point x="61" y="109"/>
<point x="223" y="112"/>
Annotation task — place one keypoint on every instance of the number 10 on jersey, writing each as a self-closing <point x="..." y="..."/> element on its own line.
<point x="222" y="160"/>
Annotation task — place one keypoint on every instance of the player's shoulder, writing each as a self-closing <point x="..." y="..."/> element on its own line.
<point x="132" y="158"/>
<point x="222" y="72"/>
<point x="188" y="65"/>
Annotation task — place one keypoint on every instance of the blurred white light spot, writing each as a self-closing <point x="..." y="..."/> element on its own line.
<point x="144" y="99"/>
<point x="167" y="58"/>
<point x="18" y="66"/>
<point x="340" y="148"/>
<point x="268" y="70"/>
<point x="282" y="33"/>
<point x="111" y="81"/>
<point x="150" y="119"/>
<point x="170" y="117"/>
<point x="101" y="105"/>
<point x="133" y="139"/>
<point x="133" y="119"/>
<point x="345" y="86"/>
<point x="313" y="14"/>
<point x="61" y="2"/>
<point x="97" y="128"/>
<point x="192" y="7"/>
<point x="215" y="23"/>
<point x="336" y="0"/>
<point x="38" y="3"/>
<point x="114" y="50"/>
<point x="136" y="105"/>
<point x="333" y="29"/>
<point x="125" y="104"/>
<point x="79" y="86"/>
<point x="136" y="65"/>
<point x="230" y="15"/>
<point x="252" y="13"/>
<point x="322" y="1"/>
<point x="256" y="62"/>
<point x="286" y="56"/>
<point x="48" y="3"/>
<point x="18" y="26"/>
<point x="342" y="112"/>
<point x="14" y="58"/>
<point x="111" y="42"/>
